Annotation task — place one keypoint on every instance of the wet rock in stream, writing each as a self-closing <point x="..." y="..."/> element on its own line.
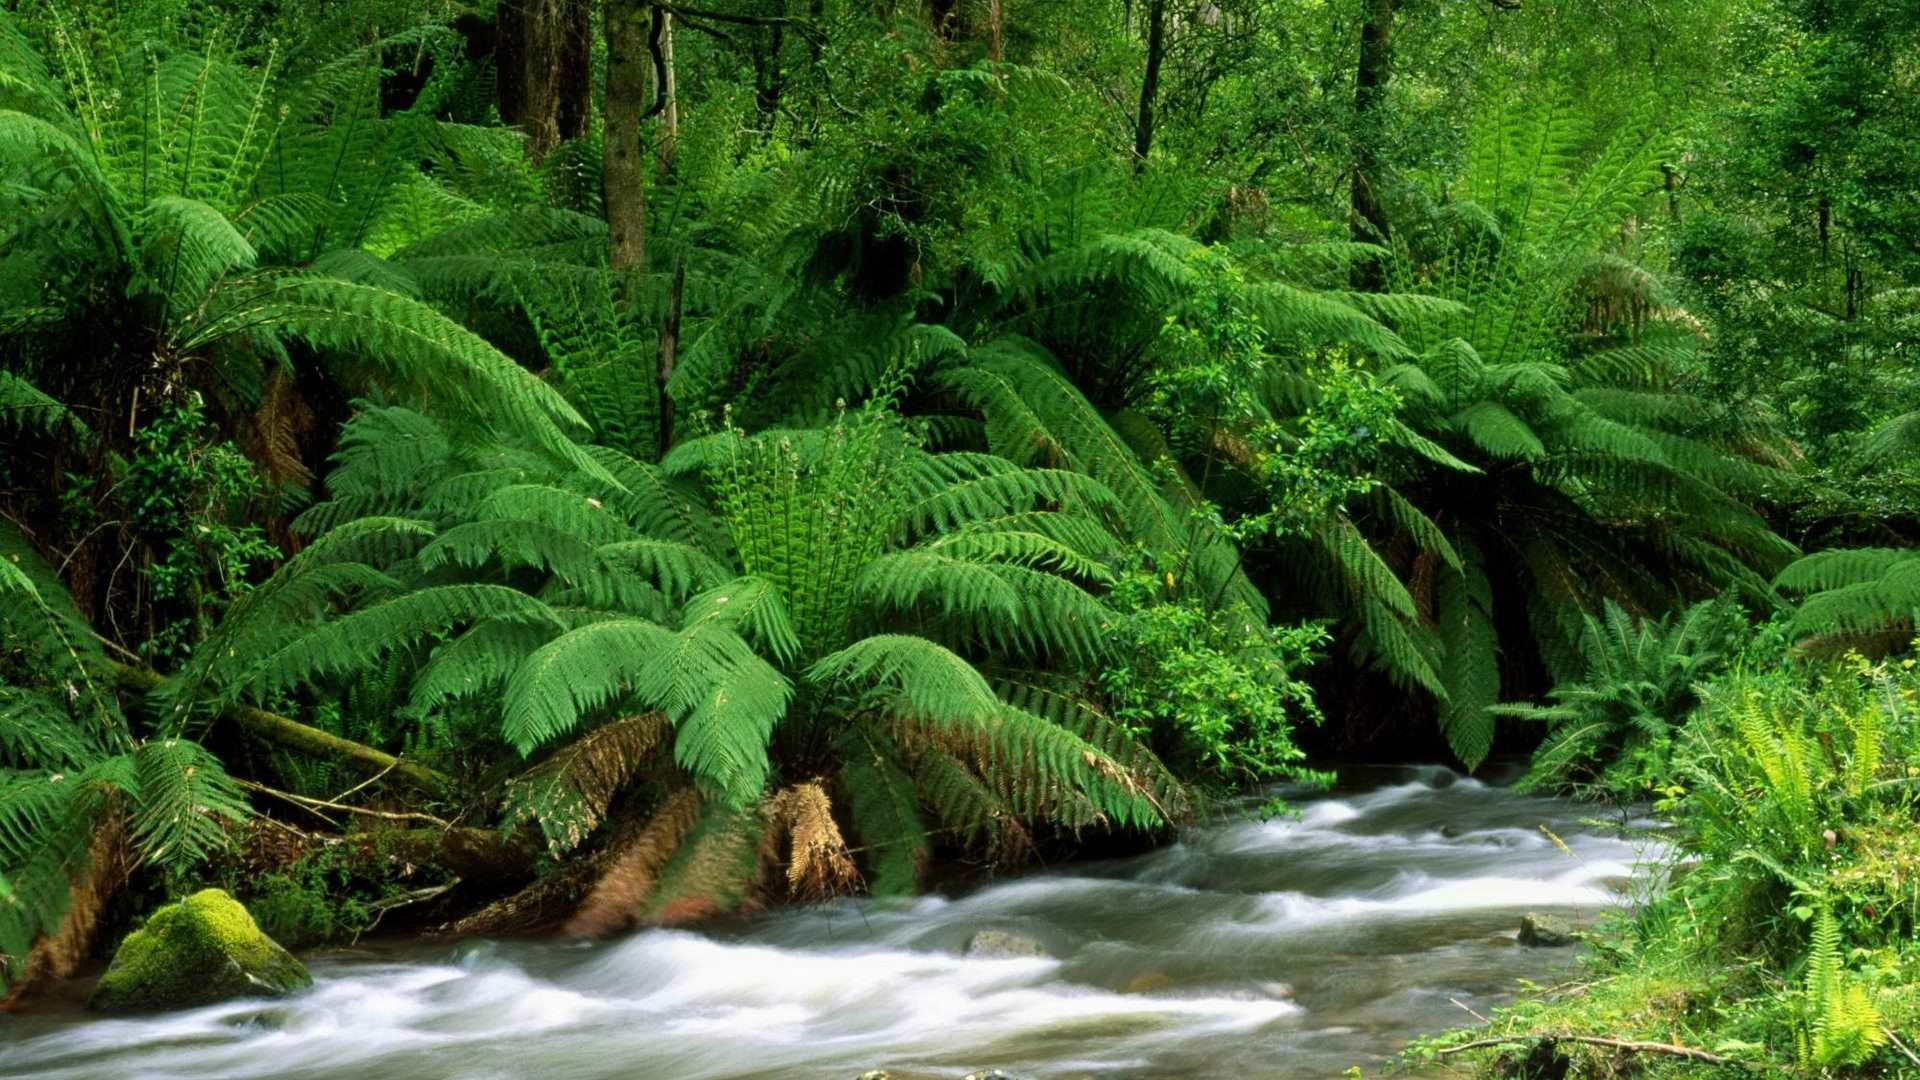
<point x="1545" y="931"/>
<point x="1000" y="945"/>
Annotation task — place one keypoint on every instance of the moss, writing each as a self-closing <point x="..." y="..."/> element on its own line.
<point x="201" y="950"/>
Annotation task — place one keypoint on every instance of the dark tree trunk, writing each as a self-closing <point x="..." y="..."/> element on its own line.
<point x="1150" y="83"/>
<point x="624" y="159"/>
<point x="770" y="79"/>
<point x="1369" y="218"/>
<point x="670" y="354"/>
<point x="544" y="65"/>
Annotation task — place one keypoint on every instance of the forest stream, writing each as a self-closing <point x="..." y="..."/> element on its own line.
<point x="1287" y="948"/>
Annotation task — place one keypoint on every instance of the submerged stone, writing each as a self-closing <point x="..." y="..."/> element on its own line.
<point x="199" y="951"/>
<point x="1544" y="931"/>
<point x="1147" y="982"/>
<point x="1000" y="945"/>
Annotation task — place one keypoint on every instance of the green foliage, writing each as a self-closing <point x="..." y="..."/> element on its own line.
<point x="1142" y="448"/>
<point x="330" y="895"/>
<point x="1611" y="732"/>
<point x="1573" y="474"/>
<point x="1221" y="694"/>
<point x="1842" y="1025"/>
<point x="187" y="498"/>
<point x="1782" y="933"/>
<point x="844" y="580"/>
<point x="176" y="204"/>
<point x="1855" y="597"/>
<point x="73" y="773"/>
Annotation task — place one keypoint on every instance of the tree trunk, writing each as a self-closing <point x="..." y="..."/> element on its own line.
<point x="624" y="163"/>
<point x="770" y="79"/>
<point x="1369" y="218"/>
<point x="544" y="70"/>
<point x="1150" y="84"/>
<point x="670" y="354"/>
<point x="669" y="85"/>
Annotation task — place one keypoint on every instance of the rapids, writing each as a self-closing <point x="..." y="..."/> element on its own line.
<point x="1294" y="947"/>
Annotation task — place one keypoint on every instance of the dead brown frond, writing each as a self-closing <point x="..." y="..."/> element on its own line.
<point x="58" y="954"/>
<point x="281" y="420"/>
<point x="801" y="832"/>
<point x="569" y="792"/>
<point x="634" y="869"/>
<point x="715" y="872"/>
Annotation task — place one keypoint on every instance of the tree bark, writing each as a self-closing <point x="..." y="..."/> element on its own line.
<point x="475" y="856"/>
<point x="670" y="354"/>
<point x="670" y="86"/>
<point x="1375" y="70"/>
<point x="1150" y="83"/>
<point x="624" y="162"/>
<point x="544" y="70"/>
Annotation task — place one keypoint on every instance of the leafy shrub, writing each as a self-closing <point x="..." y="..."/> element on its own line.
<point x="1221" y="694"/>
<point x="1612" y="732"/>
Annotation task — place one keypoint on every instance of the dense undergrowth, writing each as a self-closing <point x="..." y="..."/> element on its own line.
<point x="449" y="482"/>
<point x="1778" y="929"/>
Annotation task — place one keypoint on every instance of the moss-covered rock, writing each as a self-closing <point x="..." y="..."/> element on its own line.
<point x="202" y="950"/>
<point x="1545" y="932"/>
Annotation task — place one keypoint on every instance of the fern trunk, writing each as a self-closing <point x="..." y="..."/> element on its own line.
<point x="1150" y="83"/>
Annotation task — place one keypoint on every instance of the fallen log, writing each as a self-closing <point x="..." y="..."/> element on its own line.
<point x="476" y="856"/>
<point x="295" y="735"/>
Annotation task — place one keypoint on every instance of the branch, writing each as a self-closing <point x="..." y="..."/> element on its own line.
<point x="654" y="33"/>
<point x="1898" y="1044"/>
<point x="487" y="856"/>
<point x="305" y="801"/>
<point x="294" y="735"/>
<point x="805" y="26"/>
<point x="1632" y="1046"/>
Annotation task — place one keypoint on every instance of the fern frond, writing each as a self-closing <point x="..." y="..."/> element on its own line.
<point x="587" y="668"/>
<point x="1469" y="668"/>
<point x="567" y="795"/>
<point x="885" y="815"/>
<point x="357" y="640"/>
<point x="184" y="800"/>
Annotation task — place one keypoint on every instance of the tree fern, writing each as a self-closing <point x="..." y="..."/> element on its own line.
<point x="803" y="606"/>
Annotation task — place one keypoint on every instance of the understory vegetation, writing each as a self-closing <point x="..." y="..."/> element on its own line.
<point x="482" y="468"/>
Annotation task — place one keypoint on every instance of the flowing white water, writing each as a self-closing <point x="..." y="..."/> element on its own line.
<point x="1285" y="948"/>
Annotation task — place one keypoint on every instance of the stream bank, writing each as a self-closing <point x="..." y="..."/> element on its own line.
<point x="1281" y="949"/>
